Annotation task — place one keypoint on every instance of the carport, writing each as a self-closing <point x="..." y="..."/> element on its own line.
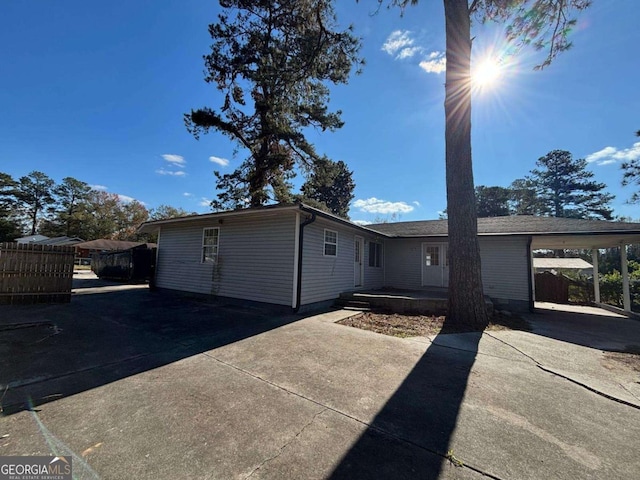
<point x="592" y="235"/>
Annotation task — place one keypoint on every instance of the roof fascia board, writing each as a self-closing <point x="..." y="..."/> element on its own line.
<point x="215" y="215"/>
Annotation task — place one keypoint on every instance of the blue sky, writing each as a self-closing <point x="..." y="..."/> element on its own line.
<point x="97" y="91"/>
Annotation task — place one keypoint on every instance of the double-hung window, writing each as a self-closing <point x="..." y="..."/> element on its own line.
<point x="330" y="243"/>
<point x="210" y="240"/>
<point x="375" y="254"/>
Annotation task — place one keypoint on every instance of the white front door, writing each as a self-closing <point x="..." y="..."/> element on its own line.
<point x="435" y="265"/>
<point x="358" y="263"/>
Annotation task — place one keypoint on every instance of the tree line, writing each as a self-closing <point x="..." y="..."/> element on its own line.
<point x="559" y="186"/>
<point x="36" y="204"/>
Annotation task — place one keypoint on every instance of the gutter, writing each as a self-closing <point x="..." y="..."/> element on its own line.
<point x="308" y="221"/>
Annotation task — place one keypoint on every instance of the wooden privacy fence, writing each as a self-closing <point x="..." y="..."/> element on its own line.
<point x="35" y="273"/>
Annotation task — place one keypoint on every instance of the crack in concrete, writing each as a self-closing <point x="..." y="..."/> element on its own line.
<point x="629" y="391"/>
<point x="572" y="380"/>
<point x="284" y="447"/>
<point x="514" y="347"/>
<point x="591" y="389"/>
<point x="439" y="345"/>
<point x="368" y="425"/>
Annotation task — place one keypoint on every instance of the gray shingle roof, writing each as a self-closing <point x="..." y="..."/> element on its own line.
<point x="105" y="244"/>
<point x="514" y="225"/>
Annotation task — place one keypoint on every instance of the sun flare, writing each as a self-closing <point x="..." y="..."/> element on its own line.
<point x="487" y="73"/>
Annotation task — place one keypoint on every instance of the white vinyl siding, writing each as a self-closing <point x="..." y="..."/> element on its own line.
<point x="325" y="277"/>
<point x="504" y="265"/>
<point x="505" y="273"/>
<point x="403" y="263"/>
<point x="255" y="258"/>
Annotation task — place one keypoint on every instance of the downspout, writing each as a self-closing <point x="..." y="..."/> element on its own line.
<point x="530" y="275"/>
<point x="308" y="221"/>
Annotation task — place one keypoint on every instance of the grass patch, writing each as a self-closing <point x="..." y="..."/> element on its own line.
<point x="404" y="326"/>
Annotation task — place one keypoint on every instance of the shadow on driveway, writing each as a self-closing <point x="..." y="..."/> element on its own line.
<point x="110" y="331"/>
<point x="410" y="436"/>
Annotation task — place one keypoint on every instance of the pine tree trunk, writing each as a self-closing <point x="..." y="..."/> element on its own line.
<point x="466" y="298"/>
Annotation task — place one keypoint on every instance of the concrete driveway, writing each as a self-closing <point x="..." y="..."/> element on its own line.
<point x="134" y="384"/>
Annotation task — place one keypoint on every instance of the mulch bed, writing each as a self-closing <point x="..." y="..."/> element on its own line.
<point x="404" y="326"/>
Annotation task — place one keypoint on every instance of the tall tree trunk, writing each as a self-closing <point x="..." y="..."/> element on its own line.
<point x="466" y="298"/>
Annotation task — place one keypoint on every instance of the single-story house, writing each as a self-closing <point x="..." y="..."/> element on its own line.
<point x="298" y="256"/>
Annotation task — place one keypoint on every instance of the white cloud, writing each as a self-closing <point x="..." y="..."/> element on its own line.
<point x="205" y="202"/>
<point x="362" y="222"/>
<point x="416" y="203"/>
<point x="399" y="44"/>
<point x="607" y="162"/>
<point x="408" y="52"/>
<point x="125" y="198"/>
<point x="436" y="62"/>
<point x="174" y="159"/>
<point x="187" y="194"/>
<point x="609" y="155"/>
<point x="100" y="188"/>
<point x="375" y="205"/>
<point x="223" y="162"/>
<point x="175" y="173"/>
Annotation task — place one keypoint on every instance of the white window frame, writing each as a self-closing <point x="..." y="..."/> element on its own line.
<point x="325" y="243"/>
<point x="378" y="255"/>
<point x="212" y="256"/>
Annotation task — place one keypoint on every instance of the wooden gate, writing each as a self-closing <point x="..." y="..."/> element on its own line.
<point x="35" y="273"/>
<point x="552" y="288"/>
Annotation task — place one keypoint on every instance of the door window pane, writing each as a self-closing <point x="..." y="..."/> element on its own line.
<point x="432" y="256"/>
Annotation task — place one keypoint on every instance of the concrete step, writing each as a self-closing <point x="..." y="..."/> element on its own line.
<point x="357" y="309"/>
<point x="350" y="304"/>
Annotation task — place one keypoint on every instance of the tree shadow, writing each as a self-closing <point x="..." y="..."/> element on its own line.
<point x="411" y="435"/>
<point x="53" y="351"/>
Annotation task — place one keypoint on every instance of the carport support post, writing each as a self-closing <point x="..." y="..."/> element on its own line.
<point x="596" y="275"/>
<point x="626" y="297"/>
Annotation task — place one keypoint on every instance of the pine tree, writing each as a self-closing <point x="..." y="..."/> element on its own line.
<point x="331" y="185"/>
<point x="544" y="24"/>
<point x="34" y="193"/>
<point x="565" y="188"/>
<point x="272" y="62"/>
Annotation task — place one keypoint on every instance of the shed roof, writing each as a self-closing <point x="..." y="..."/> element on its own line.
<point x="561" y="263"/>
<point x="59" y="241"/>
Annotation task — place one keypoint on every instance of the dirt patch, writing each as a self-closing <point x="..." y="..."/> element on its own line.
<point x="404" y="326"/>
<point x="628" y="361"/>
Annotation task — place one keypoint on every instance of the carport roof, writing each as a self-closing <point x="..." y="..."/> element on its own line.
<point x="546" y="232"/>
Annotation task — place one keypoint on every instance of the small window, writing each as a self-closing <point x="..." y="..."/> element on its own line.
<point x="330" y="243"/>
<point x="375" y="254"/>
<point x="210" y="239"/>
